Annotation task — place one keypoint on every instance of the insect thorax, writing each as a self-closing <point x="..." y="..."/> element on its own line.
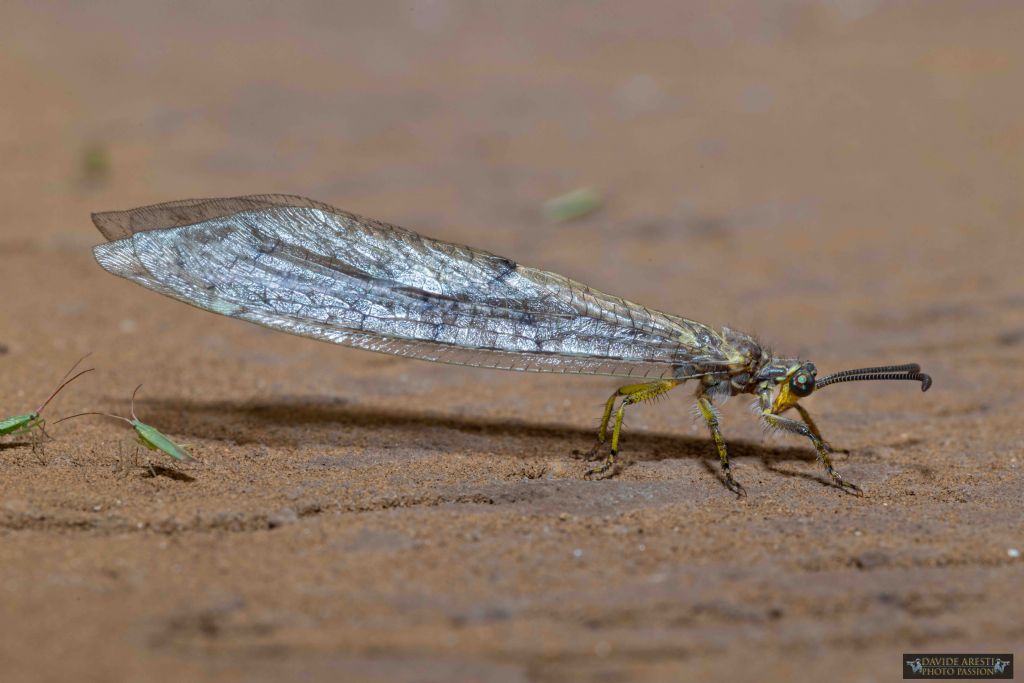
<point x="744" y="359"/>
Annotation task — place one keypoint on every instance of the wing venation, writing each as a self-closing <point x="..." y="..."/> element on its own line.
<point x="303" y="267"/>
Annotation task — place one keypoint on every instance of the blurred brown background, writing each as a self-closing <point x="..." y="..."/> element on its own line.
<point x="842" y="178"/>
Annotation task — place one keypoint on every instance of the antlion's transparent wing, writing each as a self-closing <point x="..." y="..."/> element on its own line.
<point x="303" y="267"/>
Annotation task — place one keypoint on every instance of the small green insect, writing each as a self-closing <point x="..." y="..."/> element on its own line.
<point x="149" y="436"/>
<point x="572" y="205"/>
<point x="23" y="424"/>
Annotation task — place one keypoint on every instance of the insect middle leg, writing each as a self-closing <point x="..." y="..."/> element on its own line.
<point x="810" y="430"/>
<point x="631" y="393"/>
<point x="710" y="415"/>
<point x="34" y="428"/>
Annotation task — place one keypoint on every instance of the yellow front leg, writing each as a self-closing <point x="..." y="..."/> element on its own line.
<point x="807" y="428"/>
<point x="631" y="393"/>
<point x="806" y="417"/>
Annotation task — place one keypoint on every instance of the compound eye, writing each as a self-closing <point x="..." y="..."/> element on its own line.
<point x="802" y="383"/>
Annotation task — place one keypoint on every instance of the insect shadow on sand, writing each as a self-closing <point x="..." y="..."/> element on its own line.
<point x="296" y="422"/>
<point x="152" y="471"/>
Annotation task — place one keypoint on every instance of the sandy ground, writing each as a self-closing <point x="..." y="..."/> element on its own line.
<point x="842" y="179"/>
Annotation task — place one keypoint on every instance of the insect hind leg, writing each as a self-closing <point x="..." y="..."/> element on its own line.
<point x="602" y="431"/>
<point x="630" y="394"/>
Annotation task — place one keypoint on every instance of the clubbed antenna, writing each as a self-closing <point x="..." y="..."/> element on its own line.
<point x="909" y="371"/>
